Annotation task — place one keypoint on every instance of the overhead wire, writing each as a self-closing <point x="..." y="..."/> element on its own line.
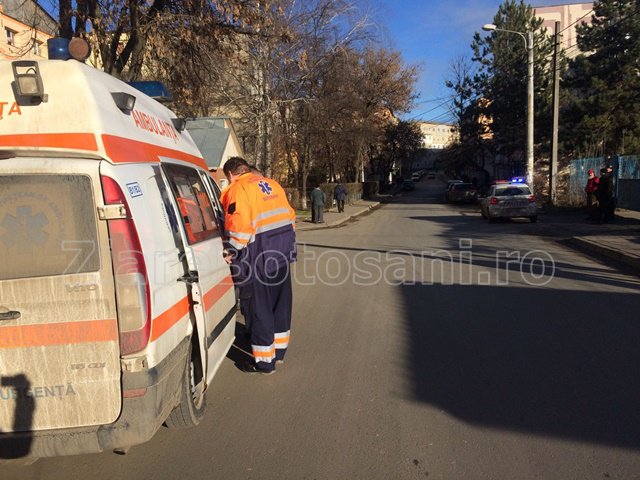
<point x="471" y="100"/>
<point x="619" y="20"/>
<point x="563" y="94"/>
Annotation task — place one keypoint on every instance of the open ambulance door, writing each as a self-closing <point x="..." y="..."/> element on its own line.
<point x="211" y="287"/>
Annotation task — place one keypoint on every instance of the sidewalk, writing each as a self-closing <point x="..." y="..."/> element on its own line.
<point x="619" y="239"/>
<point x="334" y="219"/>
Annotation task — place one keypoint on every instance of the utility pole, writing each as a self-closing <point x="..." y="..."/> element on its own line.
<point x="530" y="162"/>
<point x="553" y="166"/>
<point x="528" y="44"/>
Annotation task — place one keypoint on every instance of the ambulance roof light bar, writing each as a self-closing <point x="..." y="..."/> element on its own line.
<point x="154" y="89"/>
<point x="28" y="82"/>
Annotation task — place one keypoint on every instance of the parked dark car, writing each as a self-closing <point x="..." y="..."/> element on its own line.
<point x="408" y="185"/>
<point x="462" y="192"/>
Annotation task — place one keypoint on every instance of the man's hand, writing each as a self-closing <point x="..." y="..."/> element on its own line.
<point x="227" y="255"/>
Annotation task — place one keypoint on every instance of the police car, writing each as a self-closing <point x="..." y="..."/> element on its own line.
<point x="509" y="199"/>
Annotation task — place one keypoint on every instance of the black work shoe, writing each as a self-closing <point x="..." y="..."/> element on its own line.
<point x="252" y="368"/>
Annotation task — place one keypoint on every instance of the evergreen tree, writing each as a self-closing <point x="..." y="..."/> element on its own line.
<point x="603" y="83"/>
<point x="502" y="78"/>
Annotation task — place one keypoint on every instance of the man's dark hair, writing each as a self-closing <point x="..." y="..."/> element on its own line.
<point x="236" y="166"/>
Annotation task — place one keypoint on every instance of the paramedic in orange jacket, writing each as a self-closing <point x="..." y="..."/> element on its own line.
<point x="260" y="231"/>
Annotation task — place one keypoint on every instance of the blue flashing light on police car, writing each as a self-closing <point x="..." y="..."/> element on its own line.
<point x="518" y="180"/>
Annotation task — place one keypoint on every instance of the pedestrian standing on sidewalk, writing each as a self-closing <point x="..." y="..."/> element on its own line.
<point x="611" y="210"/>
<point x="260" y="245"/>
<point x="318" y="199"/>
<point x="604" y="195"/>
<point x="340" y="195"/>
<point x="591" y="190"/>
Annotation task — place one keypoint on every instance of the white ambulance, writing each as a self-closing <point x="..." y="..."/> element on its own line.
<point x="116" y="305"/>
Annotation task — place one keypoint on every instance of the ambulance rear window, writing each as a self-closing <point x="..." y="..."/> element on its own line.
<point x="195" y="205"/>
<point x="47" y="226"/>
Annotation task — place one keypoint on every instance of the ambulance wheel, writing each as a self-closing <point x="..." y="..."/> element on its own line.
<point x="190" y="410"/>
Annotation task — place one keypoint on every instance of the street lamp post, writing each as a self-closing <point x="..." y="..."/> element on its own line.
<point x="528" y="44"/>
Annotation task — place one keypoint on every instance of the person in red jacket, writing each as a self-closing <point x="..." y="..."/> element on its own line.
<point x="591" y="190"/>
<point x="260" y="241"/>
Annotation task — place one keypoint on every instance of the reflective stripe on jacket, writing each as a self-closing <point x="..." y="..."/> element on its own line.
<point x="259" y="225"/>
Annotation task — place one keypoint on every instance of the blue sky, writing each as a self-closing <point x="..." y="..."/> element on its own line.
<point x="432" y="33"/>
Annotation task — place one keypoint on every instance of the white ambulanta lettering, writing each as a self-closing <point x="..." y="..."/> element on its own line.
<point x="153" y="124"/>
<point x="14" y="109"/>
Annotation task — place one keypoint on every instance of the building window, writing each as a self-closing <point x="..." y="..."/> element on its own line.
<point x="11" y="36"/>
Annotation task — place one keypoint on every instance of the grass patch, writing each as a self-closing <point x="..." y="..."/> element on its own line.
<point x="302" y="214"/>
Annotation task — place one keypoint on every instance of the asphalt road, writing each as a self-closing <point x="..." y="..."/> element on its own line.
<point x="426" y="343"/>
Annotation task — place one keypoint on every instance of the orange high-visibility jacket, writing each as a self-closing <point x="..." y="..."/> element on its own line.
<point x="259" y="225"/>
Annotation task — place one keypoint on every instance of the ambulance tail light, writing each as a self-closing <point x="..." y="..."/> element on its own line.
<point x="130" y="273"/>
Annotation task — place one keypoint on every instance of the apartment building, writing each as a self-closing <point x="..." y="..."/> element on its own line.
<point x="569" y="15"/>
<point x="436" y="136"/>
<point x="26" y="27"/>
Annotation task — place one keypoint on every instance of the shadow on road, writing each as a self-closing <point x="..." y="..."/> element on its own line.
<point x="429" y="265"/>
<point x="555" y="363"/>
<point x="240" y="352"/>
<point x="16" y="389"/>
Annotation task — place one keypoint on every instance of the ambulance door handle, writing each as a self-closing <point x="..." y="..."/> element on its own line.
<point x="10" y="315"/>
<point x="191" y="277"/>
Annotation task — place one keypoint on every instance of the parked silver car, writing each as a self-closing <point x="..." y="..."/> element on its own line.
<point x="509" y="200"/>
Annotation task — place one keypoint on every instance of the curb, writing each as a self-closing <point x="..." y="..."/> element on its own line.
<point x="614" y="253"/>
<point x="342" y="221"/>
<point x="337" y="223"/>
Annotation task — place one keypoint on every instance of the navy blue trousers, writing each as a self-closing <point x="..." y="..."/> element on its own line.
<point x="271" y="304"/>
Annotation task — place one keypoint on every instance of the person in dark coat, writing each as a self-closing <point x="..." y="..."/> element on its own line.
<point x="340" y="194"/>
<point x="610" y="213"/>
<point x="318" y="199"/>
<point x="605" y="195"/>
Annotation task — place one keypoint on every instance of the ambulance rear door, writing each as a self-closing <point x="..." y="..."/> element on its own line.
<point x="59" y="345"/>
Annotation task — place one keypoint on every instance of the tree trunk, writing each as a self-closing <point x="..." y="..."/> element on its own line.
<point x="66" y="30"/>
